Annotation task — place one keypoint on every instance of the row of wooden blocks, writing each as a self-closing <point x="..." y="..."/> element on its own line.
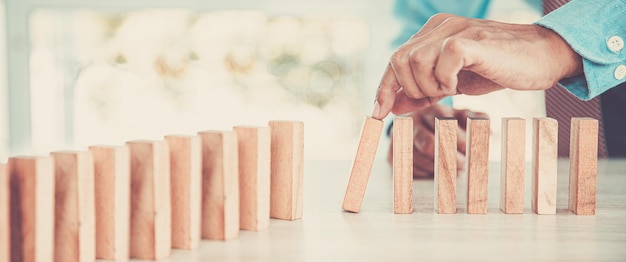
<point x="582" y="177"/>
<point x="146" y="197"/>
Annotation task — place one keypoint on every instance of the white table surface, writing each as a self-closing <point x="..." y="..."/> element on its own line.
<point x="326" y="233"/>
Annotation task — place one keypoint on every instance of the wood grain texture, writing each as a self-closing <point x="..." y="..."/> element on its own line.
<point x="5" y="228"/>
<point x="583" y="166"/>
<point x="150" y="200"/>
<point x="220" y="185"/>
<point x="254" y="149"/>
<point x="477" y="152"/>
<point x="32" y="208"/>
<point x="513" y="165"/>
<point x="403" y="165"/>
<point x="286" y="169"/>
<point x="362" y="166"/>
<point x="112" y="196"/>
<point x="74" y="220"/>
<point x="544" y="165"/>
<point x="186" y="183"/>
<point x="445" y="165"/>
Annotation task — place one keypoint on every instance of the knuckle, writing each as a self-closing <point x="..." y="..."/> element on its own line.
<point x="438" y="18"/>
<point x="453" y="45"/>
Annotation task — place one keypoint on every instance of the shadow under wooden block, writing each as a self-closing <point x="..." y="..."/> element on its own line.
<point x="403" y="165"/>
<point x="5" y="228"/>
<point x="32" y="208"/>
<point x="544" y="165"/>
<point x="186" y="182"/>
<point x="287" y="169"/>
<point x="74" y="220"/>
<point x="362" y="166"/>
<point x="477" y="151"/>
<point x="112" y="194"/>
<point x="150" y="200"/>
<point x="583" y="166"/>
<point x="220" y="185"/>
<point x="446" y="130"/>
<point x="513" y="165"/>
<point x="254" y="177"/>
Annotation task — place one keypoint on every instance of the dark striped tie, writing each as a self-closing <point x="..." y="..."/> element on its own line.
<point x="562" y="106"/>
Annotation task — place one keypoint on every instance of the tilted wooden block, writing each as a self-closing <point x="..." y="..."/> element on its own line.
<point x="544" y="165"/>
<point x="254" y="177"/>
<point x="186" y="183"/>
<point x="32" y="208"/>
<point x="583" y="166"/>
<point x="363" y="161"/>
<point x="513" y="165"/>
<point x="5" y="228"/>
<point x="403" y="165"/>
<point x="287" y="169"/>
<point x="150" y="200"/>
<point x="445" y="165"/>
<point x="74" y="220"/>
<point x="220" y="185"/>
<point x="477" y="152"/>
<point x="112" y="192"/>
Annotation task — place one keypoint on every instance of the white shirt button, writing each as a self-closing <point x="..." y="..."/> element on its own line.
<point x="620" y="72"/>
<point x="615" y="43"/>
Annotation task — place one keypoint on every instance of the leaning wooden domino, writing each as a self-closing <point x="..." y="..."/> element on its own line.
<point x="254" y="177"/>
<point x="32" y="204"/>
<point x="477" y="152"/>
<point x="112" y="193"/>
<point x="150" y="223"/>
<point x="186" y="182"/>
<point x="220" y="185"/>
<point x="583" y="166"/>
<point x="403" y="165"/>
<point x="445" y="165"/>
<point x="74" y="220"/>
<point x="287" y="169"/>
<point x="363" y="161"/>
<point x="544" y="165"/>
<point x="513" y="165"/>
<point x="5" y="229"/>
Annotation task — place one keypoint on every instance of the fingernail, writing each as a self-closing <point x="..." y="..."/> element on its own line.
<point x="376" y="111"/>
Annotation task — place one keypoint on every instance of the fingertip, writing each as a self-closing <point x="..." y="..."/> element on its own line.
<point x="376" y="111"/>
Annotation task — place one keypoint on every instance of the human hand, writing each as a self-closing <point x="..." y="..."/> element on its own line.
<point x="455" y="55"/>
<point x="424" y="138"/>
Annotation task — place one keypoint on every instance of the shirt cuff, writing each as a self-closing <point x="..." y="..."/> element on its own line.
<point x="595" y="30"/>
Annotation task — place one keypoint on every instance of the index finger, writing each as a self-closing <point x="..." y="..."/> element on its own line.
<point x="386" y="94"/>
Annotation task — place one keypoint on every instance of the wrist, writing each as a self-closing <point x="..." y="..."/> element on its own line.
<point x="567" y="61"/>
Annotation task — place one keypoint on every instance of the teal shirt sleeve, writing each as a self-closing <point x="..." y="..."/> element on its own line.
<point x="587" y="26"/>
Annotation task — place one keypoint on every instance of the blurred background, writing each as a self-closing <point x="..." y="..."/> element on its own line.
<point x="74" y="73"/>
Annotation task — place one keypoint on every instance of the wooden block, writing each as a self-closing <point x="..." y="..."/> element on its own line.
<point x="186" y="182"/>
<point x="32" y="208"/>
<point x="220" y="185"/>
<point x="403" y="165"/>
<point x="5" y="228"/>
<point x="254" y="177"/>
<point x="112" y="177"/>
<point x="477" y="164"/>
<point x="363" y="161"/>
<point x="287" y="169"/>
<point x="445" y="165"/>
<point x="150" y="200"/>
<point x="74" y="219"/>
<point x="583" y="166"/>
<point x="513" y="165"/>
<point x="544" y="165"/>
